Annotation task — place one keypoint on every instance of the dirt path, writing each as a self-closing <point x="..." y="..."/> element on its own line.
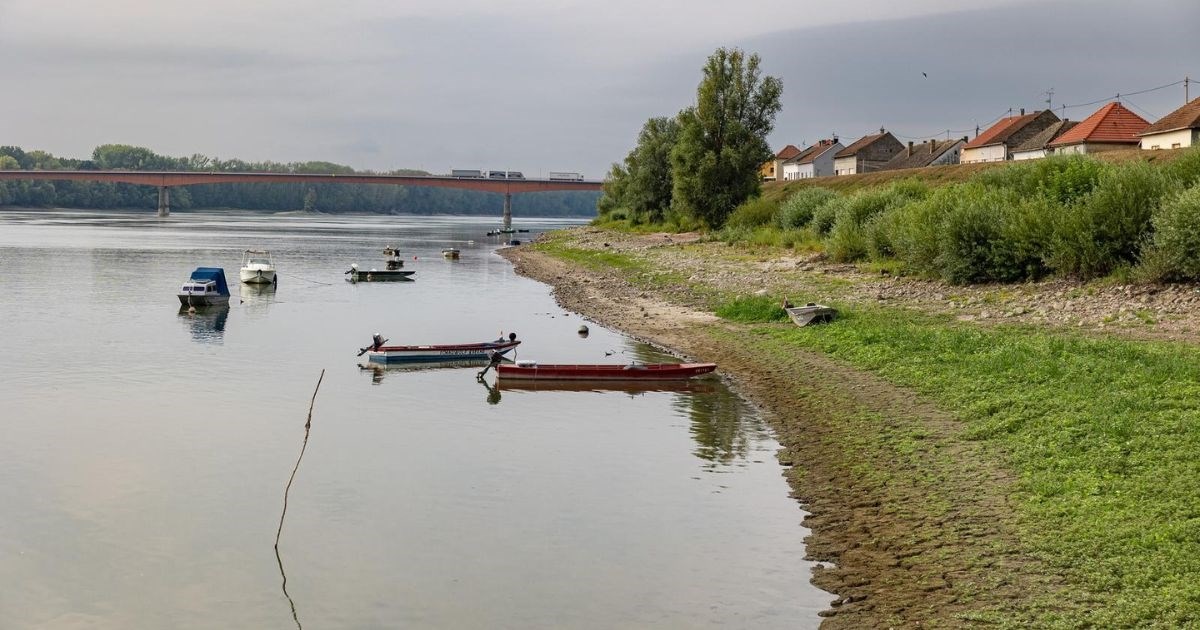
<point x="922" y="537"/>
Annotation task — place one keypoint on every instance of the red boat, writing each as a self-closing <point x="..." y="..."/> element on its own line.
<point x="531" y="371"/>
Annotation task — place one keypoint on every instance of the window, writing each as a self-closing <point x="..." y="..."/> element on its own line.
<point x="1154" y="147"/>
<point x="1175" y="145"/>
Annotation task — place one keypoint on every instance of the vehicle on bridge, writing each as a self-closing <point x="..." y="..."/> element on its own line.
<point x="472" y="174"/>
<point x="565" y="177"/>
<point x="505" y="175"/>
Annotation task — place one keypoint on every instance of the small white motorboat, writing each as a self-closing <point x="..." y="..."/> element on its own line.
<point x="450" y="252"/>
<point x="206" y="287"/>
<point x="257" y="267"/>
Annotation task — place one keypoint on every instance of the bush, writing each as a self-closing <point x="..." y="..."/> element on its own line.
<point x="969" y="234"/>
<point x="914" y="231"/>
<point x="1175" y="251"/>
<point x="848" y="239"/>
<point x="1061" y="178"/>
<point x="797" y="211"/>
<point x="1106" y="228"/>
<point x="879" y="232"/>
<point x="825" y="216"/>
<point x="753" y="213"/>
<point x="1186" y="168"/>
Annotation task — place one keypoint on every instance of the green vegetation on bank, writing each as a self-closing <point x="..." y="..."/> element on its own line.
<point x="1101" y="435"/>
<point x="331" y="198"/>
<point x="1071" y="216"/>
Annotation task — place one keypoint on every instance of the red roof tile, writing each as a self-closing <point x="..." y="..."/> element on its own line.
<point x="999" y="132"/>
<point x="788" y="152"/>
<point x="1113" y="124"/>
<point x="1186" y="117"/>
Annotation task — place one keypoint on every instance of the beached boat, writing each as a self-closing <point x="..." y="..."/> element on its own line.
<point x="380" y="353"/>
<point x="354" y="274"/>
<point x="450" y="252"/>
<point x="257" y="267"/>
<point x="811" y="313"/>
<point x="205" y="287"/>
<point x="531" y="370"/>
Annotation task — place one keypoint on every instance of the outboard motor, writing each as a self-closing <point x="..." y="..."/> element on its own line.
<point x="376" y="341"/>
<point x="512" y="336"/>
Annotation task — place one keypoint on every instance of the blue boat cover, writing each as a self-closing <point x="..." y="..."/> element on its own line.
<point x="212" y="273"/>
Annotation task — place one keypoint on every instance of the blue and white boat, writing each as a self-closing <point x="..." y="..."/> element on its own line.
<point x="206" y="287"/>
<point x="377" y="352"/>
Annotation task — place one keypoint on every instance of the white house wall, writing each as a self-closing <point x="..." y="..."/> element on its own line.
<point x="846" y="165"/>
<point x="1029" y="155"/>
<point x="1183" y="137"/>
<point x="990" y="153"/>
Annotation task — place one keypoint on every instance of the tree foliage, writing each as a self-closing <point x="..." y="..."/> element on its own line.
<point x="642" y="185"/>
<point x="723" y="137"/>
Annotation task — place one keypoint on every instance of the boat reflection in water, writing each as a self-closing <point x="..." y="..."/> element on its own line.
<point x="379" y="370"/>
<point x="257" y="298"/>
<point x="206" y="323"/>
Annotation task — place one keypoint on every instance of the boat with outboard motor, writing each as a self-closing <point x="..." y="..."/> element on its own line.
<point x="205" y="287"/>
<point x="354" y="274"/>
<point x="381" y="353"/>
<point x="257" y="267"/>
<point x="531" y="370"/>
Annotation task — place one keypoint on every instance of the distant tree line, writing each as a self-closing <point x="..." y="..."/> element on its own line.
<point x="330" y="198"/>
<point x="694" y="169"/>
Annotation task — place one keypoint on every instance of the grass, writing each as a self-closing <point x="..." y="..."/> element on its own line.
<point x="750" y="309"/>
<point x="1102" y="433"/>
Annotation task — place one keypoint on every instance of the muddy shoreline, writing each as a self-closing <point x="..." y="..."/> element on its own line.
<point x="916" y="541"/>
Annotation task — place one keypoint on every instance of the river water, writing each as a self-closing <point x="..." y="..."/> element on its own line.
<point x="144" y="451"/>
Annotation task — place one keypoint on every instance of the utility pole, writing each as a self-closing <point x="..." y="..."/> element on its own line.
<point x="1186" y="80"/>
<point x="1049" y="97"/>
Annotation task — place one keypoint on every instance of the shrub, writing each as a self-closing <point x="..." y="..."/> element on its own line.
<point x="1186" y="168"/>
<point x="1174" y="253"/>
<point x="879" y="232"/>
<point x="917" y="226"/>
<point x="969" y="234"/>
<point x="1106" y="228"/>
<point x="753" y="213"/>
<point x="1062" y="178"/>
<point x="848" y="239"/>
<point x="797" y="211"/>
<point x="825" y="216"/>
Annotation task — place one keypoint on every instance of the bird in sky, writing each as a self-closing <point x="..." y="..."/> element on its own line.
<point x="925" y="75"/>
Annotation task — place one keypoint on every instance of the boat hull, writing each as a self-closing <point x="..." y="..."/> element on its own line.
<point x="186" y="299"/>
<point x="636" y="373"/>
<point x="257" y="276"/>
<point x="387" y="275"/>
<point x="811" y="314"/>
<point x="440" y="353"/>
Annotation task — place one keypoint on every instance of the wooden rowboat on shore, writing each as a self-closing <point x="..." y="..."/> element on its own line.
<point x="532" y="371"/>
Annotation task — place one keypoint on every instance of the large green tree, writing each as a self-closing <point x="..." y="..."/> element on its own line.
<point x="723" y="137"/>
<point x="642" y="185"/>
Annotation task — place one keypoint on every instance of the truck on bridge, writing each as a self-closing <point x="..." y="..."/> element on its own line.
<point x="565" y="177"/>
<point x="505" y="175"/>
<point x="473" y="174"/>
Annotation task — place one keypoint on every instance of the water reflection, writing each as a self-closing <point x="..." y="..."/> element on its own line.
<point x="206" y="323"/>
<point x="723" y="425"/>
<point x="379" y="370"/>
<point x="257" y="298"/>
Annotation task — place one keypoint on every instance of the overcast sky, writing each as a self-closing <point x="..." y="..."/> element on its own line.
<point x="539" y="85"/>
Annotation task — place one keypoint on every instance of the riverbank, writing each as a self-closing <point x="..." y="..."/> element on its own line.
<point x="1008" y="455"/>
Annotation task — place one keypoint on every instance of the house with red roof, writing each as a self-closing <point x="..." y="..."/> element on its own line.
<point x="1113" y="126"/>
<point x="997" y="142"/>
<point x="1177" y="130"/>
<point x="771" y="170"/>
<point x="1038" y="146"/>
<point x="815" y="161"/>
<point x="867" y="154"/>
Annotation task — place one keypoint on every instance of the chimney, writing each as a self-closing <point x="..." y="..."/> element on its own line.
<point x="1022" y="111"/>
<point x="966" y="139"/>
<point x="910" y="147"/>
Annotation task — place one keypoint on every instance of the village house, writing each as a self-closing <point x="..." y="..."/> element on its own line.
<point x="867" y="154"/>
<point x="928" y="153"/>
<point x="815" y="161"/>
<point x="1177" y="130"/>
<point x="1035" y="147"/>
<point x="1112" y="127"/>
<point x="996" y="143"/>
<point x="771" y="170"/>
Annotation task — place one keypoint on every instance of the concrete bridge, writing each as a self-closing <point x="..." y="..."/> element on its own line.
<point x="165" y="180"/>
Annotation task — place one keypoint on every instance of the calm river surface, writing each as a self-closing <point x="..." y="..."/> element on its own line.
<point x="144" y="452"/>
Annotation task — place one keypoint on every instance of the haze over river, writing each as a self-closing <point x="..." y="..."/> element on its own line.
<point x="144" y="451"/>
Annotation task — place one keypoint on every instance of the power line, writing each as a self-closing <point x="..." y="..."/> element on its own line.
<point x="1119" y="95"/>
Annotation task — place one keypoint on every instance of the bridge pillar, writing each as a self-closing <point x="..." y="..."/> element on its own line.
<point x="508" y="211"/>
<point x="164" y="201"/>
